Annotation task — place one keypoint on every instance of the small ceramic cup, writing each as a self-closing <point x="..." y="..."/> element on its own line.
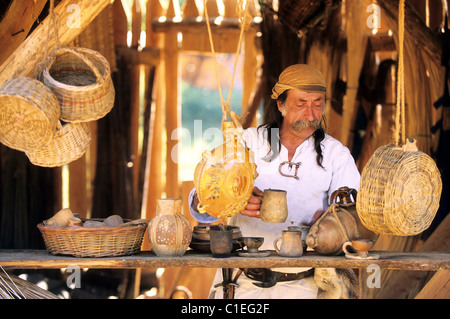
<point x="253" y="243"/>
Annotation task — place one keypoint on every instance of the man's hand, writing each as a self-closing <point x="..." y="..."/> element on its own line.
<point x="254" y="203"/>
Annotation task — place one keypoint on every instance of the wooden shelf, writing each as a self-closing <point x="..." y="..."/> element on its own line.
<point x="41" y="259"/>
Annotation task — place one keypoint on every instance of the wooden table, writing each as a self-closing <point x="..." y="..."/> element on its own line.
<point x="41" y="259"/>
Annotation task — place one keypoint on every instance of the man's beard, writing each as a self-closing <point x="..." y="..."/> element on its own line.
<point x="301" y="125"/>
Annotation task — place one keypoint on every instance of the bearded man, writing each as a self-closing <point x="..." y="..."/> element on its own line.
<point x="292" y="153"/>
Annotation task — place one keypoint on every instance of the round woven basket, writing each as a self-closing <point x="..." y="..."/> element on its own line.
<point x="29" y="113"/>
<point x="69" y="143"/>
<point x="399" y="192"/>
<point x="81" y="80"/>
<point x="93" y="242"/>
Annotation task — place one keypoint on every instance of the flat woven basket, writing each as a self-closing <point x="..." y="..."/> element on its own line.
<point x="69" y="143"/>
<point x="93" y="242"/>
<point x="399" y="192"/>
<point x="29" y="113"/>
<point x="81" y="80"/>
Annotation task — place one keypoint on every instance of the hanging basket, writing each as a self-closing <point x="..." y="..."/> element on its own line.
<point x="399" y="192"/>
<point x="81" y="80"/>
<point x="29" y="113"/>
<point x="69" y="143"/>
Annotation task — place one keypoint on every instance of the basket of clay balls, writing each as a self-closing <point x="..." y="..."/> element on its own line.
<point x="66" y="234"/>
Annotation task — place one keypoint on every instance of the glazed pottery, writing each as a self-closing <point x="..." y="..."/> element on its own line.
<point x="274" y="206"/>
<point x="169" y="232"/>
<point x="361" y="246"/>
<point x="224" y="177"/>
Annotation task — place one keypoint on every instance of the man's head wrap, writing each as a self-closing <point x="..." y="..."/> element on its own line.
<point x="299" y="77"/>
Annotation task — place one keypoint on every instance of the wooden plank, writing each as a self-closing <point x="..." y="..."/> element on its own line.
<point x="41" y="259"/>
<point x="25" y="59"/>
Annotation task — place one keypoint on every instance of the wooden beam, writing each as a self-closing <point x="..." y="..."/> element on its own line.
<point x="16" y="24"/>
<point x="26" y="58"/>
<point x="437" y="288"/>
<point x="148" y="56"/>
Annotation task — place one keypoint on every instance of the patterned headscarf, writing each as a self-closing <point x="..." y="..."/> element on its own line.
<point x="300" y="77"/>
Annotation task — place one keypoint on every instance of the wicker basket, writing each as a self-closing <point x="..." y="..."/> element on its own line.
<point x="29" y="113"/>
<point x="81" y="80"/>
<point x="93" y="242"/>
<point x="399" y="192"/>
<point x="69" y="143"/>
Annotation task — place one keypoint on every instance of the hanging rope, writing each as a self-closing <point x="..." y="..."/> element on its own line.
<point x="51" y="23"/>
<point x="245" y="22"/>
<point x="400" y="104"/>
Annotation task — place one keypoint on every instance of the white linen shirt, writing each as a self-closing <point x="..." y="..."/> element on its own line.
<point x="305" y="195"/>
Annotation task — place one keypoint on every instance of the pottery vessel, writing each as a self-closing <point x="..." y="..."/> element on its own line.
<point x="327" y="236"/>
<point x="169" y="232"/>
<point x="291" y="244"/>
<point x="274" y="206"/>
<point x="361" y="246"/>
<point x="224" y="177"/>
<point x="221" y="242"/>
<point x="253" y="243"/>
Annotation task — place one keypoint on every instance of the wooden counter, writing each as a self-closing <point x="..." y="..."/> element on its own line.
<point x="41" y="259"/>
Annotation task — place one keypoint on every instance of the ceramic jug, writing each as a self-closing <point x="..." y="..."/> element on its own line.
<point x="169" y="232"/>
<point x="291" y="244"/>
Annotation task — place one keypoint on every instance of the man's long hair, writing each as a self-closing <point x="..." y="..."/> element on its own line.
<point x="273" y="120"/>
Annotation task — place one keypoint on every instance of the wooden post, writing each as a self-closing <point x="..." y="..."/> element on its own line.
<point x="172" y="106"/>
<point x="25" y="59"/>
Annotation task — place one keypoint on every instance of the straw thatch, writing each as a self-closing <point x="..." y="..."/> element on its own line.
<point x="13" y="287"/>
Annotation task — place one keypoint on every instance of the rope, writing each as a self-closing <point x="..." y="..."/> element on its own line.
<point x="244" y="25"/>
<point x="52" y="18"/>
<point x="400" y="104"/>
<point x="333" y="209"/>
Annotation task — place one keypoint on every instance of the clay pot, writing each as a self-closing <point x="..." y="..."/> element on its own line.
<point x="327" y="236"/>
<point x="169" y="232"/>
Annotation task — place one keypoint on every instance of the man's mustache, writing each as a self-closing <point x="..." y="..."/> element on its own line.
<point x="300" y="125"/>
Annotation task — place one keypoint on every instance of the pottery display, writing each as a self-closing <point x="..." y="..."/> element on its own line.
<point x="274" y="206"/>
<point x="224" y="177"/>
<point x="291" y="244"/>
<point x="340" y="223"/>
<point x="169" y="232"/>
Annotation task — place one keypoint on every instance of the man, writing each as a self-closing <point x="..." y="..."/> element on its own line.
<point x="292" y="153"/>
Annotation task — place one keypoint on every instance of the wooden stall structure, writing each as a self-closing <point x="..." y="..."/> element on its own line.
<point x="130" y="164"/>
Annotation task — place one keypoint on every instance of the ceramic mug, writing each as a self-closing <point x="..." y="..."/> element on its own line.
<point x="221" y="242"/>
<point x="274" y="206"/>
